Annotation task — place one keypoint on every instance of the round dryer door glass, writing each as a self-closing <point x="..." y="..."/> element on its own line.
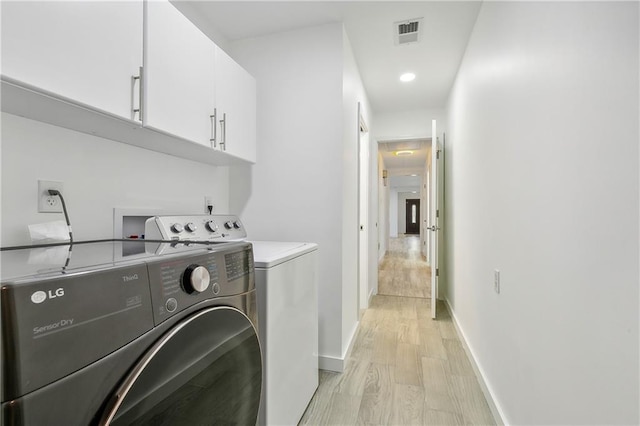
<point x="207" y="370"/>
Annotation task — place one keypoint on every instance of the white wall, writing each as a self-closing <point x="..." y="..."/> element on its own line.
<point x="98" y="175"/>
<point x="393" y="213"/>
<point x="194" y="12"/>
<point x="303" y="184"/>
<point x="542" y="184"/>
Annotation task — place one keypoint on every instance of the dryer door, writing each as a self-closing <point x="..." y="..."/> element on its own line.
<point x="206" y="370"/>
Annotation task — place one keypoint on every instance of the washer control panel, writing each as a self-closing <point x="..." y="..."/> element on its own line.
<point x="185" y="278"/>
<point x="195" y="228"/>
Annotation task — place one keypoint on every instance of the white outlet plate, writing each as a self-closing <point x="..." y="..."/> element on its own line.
<point x="49" y="203"/>
<point x="208" y="201"/>
<point x="496" y="281"/>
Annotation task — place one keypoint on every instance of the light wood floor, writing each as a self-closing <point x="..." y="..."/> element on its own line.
<point x="404" y="369"/>
<point x="404" y="271"/>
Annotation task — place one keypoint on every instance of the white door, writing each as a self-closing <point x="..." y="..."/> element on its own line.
<point x="85" y="51"/>
<point x="179" y="86"/>
<point x="434" y="226"/>
<point x="363" y="215"/>
<point x="236" y="108"/>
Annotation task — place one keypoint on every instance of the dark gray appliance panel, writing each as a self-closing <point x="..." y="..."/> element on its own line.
<point x="55" y="327"/>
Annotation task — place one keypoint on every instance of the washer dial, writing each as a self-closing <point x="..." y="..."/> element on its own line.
<point x="211" y="226"/>
<point x="195" y="279"/>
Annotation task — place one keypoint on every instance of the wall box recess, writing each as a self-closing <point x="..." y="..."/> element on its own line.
<point x="49" y="203"/>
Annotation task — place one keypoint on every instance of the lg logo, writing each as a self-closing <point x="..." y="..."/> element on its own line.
<point x="41" y="296"/>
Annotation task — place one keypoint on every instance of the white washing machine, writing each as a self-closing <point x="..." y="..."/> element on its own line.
<point x="286" y="278"/>
<point x="287" y="287"/>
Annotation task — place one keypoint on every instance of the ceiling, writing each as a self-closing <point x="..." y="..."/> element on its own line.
<point x="405" y="183"/>
<point x="417" y="160"/>
<point x="370" y="26"/>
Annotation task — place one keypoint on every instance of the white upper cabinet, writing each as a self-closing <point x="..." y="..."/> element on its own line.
<point x="77" y="64"/>
<point x="236" y="107"/>
<point x="81" y="50"/>
<point x="179" y="68"/>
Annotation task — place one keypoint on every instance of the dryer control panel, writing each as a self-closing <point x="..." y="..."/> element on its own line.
<point x="195" y="228"/>
<point x="180" y="281"/>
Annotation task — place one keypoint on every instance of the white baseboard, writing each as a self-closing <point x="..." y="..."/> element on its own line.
<point x="381" y="256"/>
<point x="331" y="363"/>
<point x="494" y="406"/>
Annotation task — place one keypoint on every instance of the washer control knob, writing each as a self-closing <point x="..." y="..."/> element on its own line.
<point x="191" y="227"/>
<point x="177" y="228"/>
<point x="211" y="226"/>
<point x="195" y="279"/>
<point x="237" y="225"/>
<point x="228" y="225"/>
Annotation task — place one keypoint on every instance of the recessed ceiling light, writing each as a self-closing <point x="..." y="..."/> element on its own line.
<point x="401" y="153"/>
<point x="414" y="175"/>
<point x="406" y="77"/>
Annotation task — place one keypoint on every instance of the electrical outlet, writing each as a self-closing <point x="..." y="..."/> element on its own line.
<point x="208" y="201"/>
<point x="496" y="281"/>
<point x="49" y="203"/>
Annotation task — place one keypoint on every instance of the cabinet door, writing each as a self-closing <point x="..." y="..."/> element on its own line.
<point x="236" y="102"/>
<point x="85" y="51"/>
<point x="179" y="74"/>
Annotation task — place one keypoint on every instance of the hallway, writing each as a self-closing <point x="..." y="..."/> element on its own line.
<point x="404" y="368"/>
<point x="403" y="270"/>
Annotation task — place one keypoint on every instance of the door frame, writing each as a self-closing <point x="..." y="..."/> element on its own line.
<point x="363" y="215"/>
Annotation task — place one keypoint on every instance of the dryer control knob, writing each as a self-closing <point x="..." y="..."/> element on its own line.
<point x="211" y="226"/>
<point x="237" y="225"/>
<point x="177" y="228"/>
<point x="191" y="227"/>
<point x="195" y="279"/>
<point x="228" y="225"/>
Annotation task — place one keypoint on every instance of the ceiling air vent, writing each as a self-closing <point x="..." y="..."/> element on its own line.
<point x="406" y="32"/>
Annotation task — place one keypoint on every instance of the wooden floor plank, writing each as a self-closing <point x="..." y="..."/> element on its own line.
<point x="470" y="400"/>
<point x="457" y="357"/>
<point x="377" y="398"/>
<point x="436" y="385"/>
<point x="408" y="366"/>
<point x="442" y="418"/>
<point x="408" y="405"/>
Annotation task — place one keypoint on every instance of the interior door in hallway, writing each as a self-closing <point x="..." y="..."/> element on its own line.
<point x="363" y="214"/>
<point x="434" y="226"/>
<point x="413" y="216"/>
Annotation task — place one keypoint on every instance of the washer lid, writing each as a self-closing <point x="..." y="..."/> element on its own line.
<point x="267" y="254"/>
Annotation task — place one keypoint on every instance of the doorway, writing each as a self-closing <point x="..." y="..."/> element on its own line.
<point x="412" y="212"/>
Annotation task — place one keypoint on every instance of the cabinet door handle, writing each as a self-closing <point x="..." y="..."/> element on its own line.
<point x="214" y="128"/>
<point x="138" y="110"/>
<point x="223" y="128"/>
